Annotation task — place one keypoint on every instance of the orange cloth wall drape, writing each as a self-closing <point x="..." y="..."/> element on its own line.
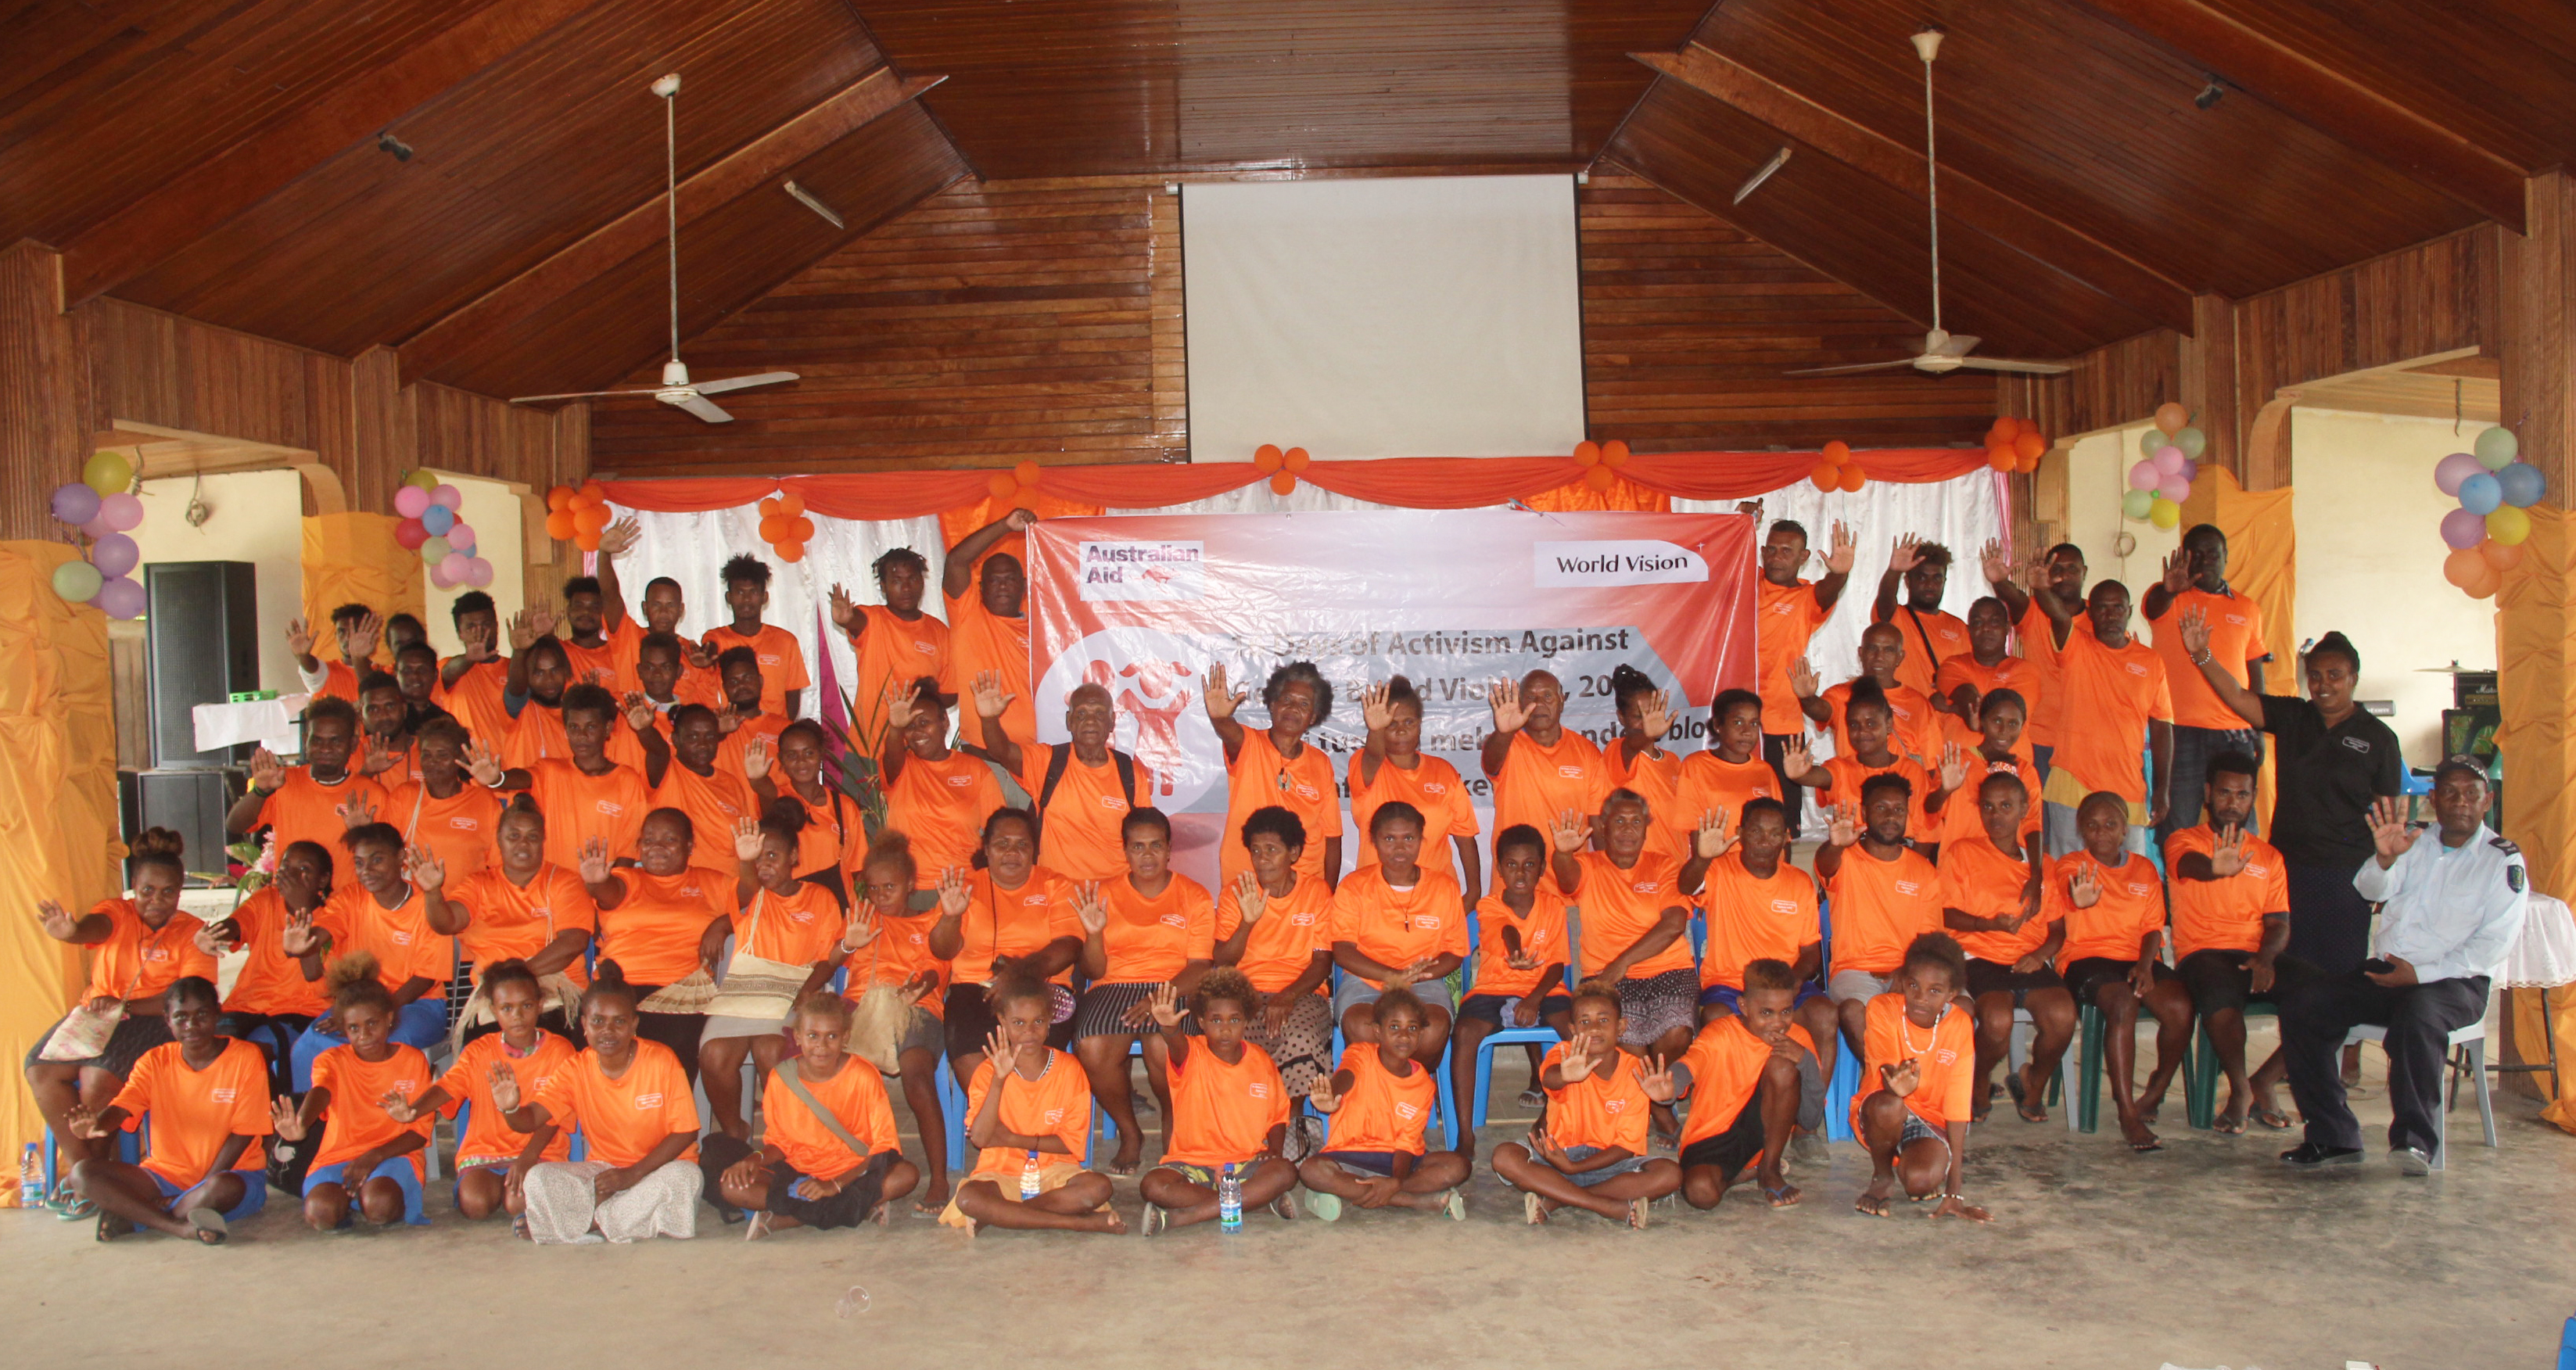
<point x="354" y="558"/>
<point x="2262" y="565"/>
<point x="58" y="816"/>
<point x="2536" y="687"/>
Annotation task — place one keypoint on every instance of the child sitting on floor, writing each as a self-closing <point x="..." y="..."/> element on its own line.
<point x="1028" y="1109"/>
<point x="1742" y="1076"/>
<point x="1380" y="1100"/>
<point x="1918" y="1059"/>
<point x="1229" y="1110"/>
<point x="1591" y="1151"/>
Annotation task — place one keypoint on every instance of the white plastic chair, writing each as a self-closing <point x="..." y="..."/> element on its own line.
<point x="2467" y="1052"/>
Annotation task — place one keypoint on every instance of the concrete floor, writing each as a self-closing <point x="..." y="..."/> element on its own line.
<point x="2206" y="1254"/>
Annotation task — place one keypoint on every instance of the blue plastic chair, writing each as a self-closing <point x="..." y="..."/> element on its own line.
<point x="1445" y="1105"/>
<point x="952" y="1110"/>
<point x="1501" y="1037"/>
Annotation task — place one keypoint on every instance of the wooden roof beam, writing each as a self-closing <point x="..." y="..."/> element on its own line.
<point x="1713" y="73"/>
<point x="746" y="170"/>
<point x="2332" y="100"/>
<point x="147" y="231"/>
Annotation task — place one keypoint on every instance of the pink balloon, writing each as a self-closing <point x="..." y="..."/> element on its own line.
<point x="114" y="555"/>
<point x="2170" y="460"/>
<point x="2175" y="488"/>
<point x="460" y="536"/>
<point x="2462" y="529"/>
<point x="438" y="575"/>
<point x="478" y="573"/>
<point x="121" y="512"/>
<point x="452" y="566"/>
<point x="2451" y="470"/>
<point x="97" y="527"/>
<point x="449" y="496"/>
<point x="2145" y="475"/>
<point x="410" y="500"/>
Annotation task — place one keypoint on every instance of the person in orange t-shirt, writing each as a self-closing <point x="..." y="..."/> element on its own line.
<point x="1028" y="1110"/>
<point x="1634" y="915"/>
<point x="804" y="1174"/>
<point x="1540" y="767"/>
<point x="540" y="676"/>
<point x="835" y="834"/>
<point x="444" y="810"/>
<point x="585" y="795"/>
<point x="1378" y="1102"/>
<point x="1591" y="1150"/>
<point x="1396" y="925"/>
<point x="1018" y="919"/>
<point x="1871" y="752"/>
<point x="1743" y="1074"/>
<point x="784" y="920"/>
<point x="1232" y="1111"/>
<point x="2115" y="696"/>
<point x="986" y="587"/>
<point x="780" y="657"/>
<point x="491" y="1077"/>
<point x="1914" y="1107"/>
<point x="207" y="1097"/>
<point x="383" y="911"/>
<point x="525" y="909"/>
<point x="1521" y="973"/>
<point x="1760" y="907"/>
<point x="1390" y="765"/>
<point x="1276" y="926"/>
<point x="2061" y="570"/>
<point x="742" y="720"/>
<point x="471" y="683"/>
<point x="366" y="1162"/>
<point x="936" y="796"/>
<point x="1931" y="635"/>
<point x="1639" y="761"/>
<point x="630" y="1099"/>
<point x="1787" y="612"/>
<point x="663" y="922"/>
<point x="358" y="631"/>
<point x="1277" y="765"/>
<point x="303" y="803"/>
<point x="1995" y="749"/>
<point x="895" y="642"/>
<point x="1985" y="667"/>
<point x="1154" y="926"/>
<point x="1914" y="727"/>
<point x="1732" y="772"/>
<point x="687" y="670"/>
<point x="2114" y="906"/>
<point x="2204" y="726"/>
<point x="1990" y="896"/>
<point x="1883" y="894"/>
<point x="2231" y="924"/>
<point x="274" y="996"/>
<point x="894" y="949"/>
<point x="716" y="799"/>
<point x="1081" y="790"/>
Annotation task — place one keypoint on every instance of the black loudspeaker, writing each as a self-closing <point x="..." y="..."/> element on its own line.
<point x="201" y="644"/>
<point x="192" y="802"/>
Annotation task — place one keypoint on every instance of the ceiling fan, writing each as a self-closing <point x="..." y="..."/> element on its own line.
<point x="676" y="389"/>
<point x="1943" y="351"/>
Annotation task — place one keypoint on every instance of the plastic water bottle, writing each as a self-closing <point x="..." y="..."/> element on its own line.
<point x="31" y="1176"/>
<point x="1029" y="1178"/>
<point x="1229" y="1201"/>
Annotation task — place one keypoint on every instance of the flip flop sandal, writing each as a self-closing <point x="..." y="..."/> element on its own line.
<point x="1637" y="1211"/>
<point x="2272" y="1118"/>
<point x="1533" y="1212"/>
<point x="1285" y="1206"/>
<point x="78" y="1210"/>
<point x="1531" y="1098"/>
<point x="1786" y="1196"/>
<point x="1325" y="1207"/>
<point x="2227" y="1126"/>
<point x="1456" y="1207"/>
<point x="111" y="1227"/>
<point x="209" y="1226"/>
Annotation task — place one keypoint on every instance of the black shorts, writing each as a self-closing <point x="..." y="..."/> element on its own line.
<point x="1996" y="977"/>
<point x="2221" y="978"/>
<point x="969" y="1022"/>
<point x="1488" y="1008"/>
<point x="2087" y="976"/>
<point x="1735" y="1148"/>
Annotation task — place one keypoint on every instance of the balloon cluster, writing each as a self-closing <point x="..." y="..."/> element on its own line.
<point x="2485" y="533"/>
<point x="1284" y="466"/>
<point x="784" y="527"/>
<point x="577" y="516"/>
<point x="1600" y="462"/>
<point x="1018" y="486"/>
<point x="430" y="526"/>
<point x="2161" y="480"/>
<point x="104" y="510"/>
<point x="2015" y="445"/>
<point x="1837" y="469"/>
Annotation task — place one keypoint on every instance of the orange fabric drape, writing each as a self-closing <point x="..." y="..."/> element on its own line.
<point x="2536" y="688"/>
<point x="354" y="558"/>
<point x="2262" y="565"/>
<point x="58" y="811"/>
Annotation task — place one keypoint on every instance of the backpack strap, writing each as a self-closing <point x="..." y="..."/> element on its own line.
<point x="1057" y="758"/>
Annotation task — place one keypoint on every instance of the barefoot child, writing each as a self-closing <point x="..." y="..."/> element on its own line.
<point x="492" y="1076"/>
<point x="2114" y="906"/>
<point x="368" y="1161"/>
<point x="1916" y="1059"/>
<point x="1990" y="897"/>
<point x="1591" y="1152"/>
<point x="1028" y="1112"/>
<point x="208" y="1098"/>
<point x="1230" y="1110"/>
<point x="831" y="1157"/>
<point x="1520" y="978"/>
<point x="1379" y="1102"/>
<point x="1742" y="1074"/>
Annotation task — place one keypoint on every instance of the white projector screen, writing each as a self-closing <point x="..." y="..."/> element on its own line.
<point x="1429" y="316"/>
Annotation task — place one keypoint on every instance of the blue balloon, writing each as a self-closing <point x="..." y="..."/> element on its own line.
<point x="2523" y="484"/>
<point x="2481" y="493"/>
<point x="438" y="518"/>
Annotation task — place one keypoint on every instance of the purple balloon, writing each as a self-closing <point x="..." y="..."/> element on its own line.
<point x="119" y="597"/>
<point x="121" y="512"/>
<point x="447" y="497"/>
<point x="115" y="554"/>
<point x="2451" y="470"/>
<point x="2175" y="488"/>
<point x="75" y="503"/>
<point x="2190" y="471"/>
<point x="410" y="500"/>
<point x="460" y="535"/>
<point x="2462" y="529"/>
<point x="478" y="573"/>
<point x="2145" y="474"/>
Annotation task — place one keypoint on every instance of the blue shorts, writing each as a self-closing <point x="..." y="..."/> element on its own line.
<point x="1379" y="1163"/>
<point x="1589" y="1178"/>
<point x="1732" y="997"/>
<point x="254" y="1192"/>
<point x="400" y="1170"/>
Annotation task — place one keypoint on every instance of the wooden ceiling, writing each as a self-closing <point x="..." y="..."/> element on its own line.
<point x="236" y="161"/>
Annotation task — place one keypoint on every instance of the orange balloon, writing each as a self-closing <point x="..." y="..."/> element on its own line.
<point x="559" y="499"/>
<point x="2002" y="433"/>
<point x="1828" y="478"/>
<point x="1000" y="484"/>
<point x="2171" y="418"/>
<point x="2030" y="445"/>
<point x="1853" y="478"/>
<point x="790" y="504"/>
<point x="1283" y="484"/>
<point x="559" y="525"/>
<point x="2463" y="566"/>
<point x="1614" y="453"/>
<point x="800" y="529"/>
<point x="1295" y="459"/>
<point x="1027" y="498"/>
<point x="594" y="491"/>
<point x="1026" y="473"/>
<point x="590" y="521"/>
<point x="769" y="509"/>
<point x="2502" y="556"/>
<point x="2027" y="465"/>
<point x="773" y="528"/>
<point x="1837" y="453"/>
<point x="790" y="552"/>
<point x="588" y="542"/>
<point x="1588" y="452"/>
<point x="1599" y="477"/>
<point x="2488" y="582"/>
<point x="1267" y="457"/>
<point x="2001" y="458"/>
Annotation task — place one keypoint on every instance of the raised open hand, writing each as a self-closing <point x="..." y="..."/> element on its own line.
<point x="2195" y="633"/>
<point x="1250" y="898"/>
<point x="483" y="763"/>
<point x="2084" y="890"/>
<point x="639" y="710"/>
<point x="1904" y="553"/>
<point x="1166" y="1005"/>
<point x="755" y="758"/>
<point x="1220" y="698"/>
<point x="1656" y="1079"/>
<point x="1710" y="837"/>
<point x="357" y="813"/>
<point x="297" y="936"/>
<point x="1842" y="827"/>
<point x="2177" y="572"/>
<point x="397" y="1106"/>
<point x="505" y="1087"/>
<point x="1803" y="680"/>
<point x="1321" y="1095"/>
<point x="1570" y="832"/>
<point x="617" y="538"/>
<point x="1087" y="908"/>
<point x="1995" y="561"/>
<point x="1505" y="697"/>
<point x="1845" y="549"/>
<point x="990" y="701"/>
<point x="845" y="612"/>
<point x="379" y="761"/>
<point x="953" y="895"/>
<point x="746" y="839"/>
<point x="1954" y="766"/>
<point x="594" y="861"/>
<point x="422" y="867"/>
<point x="1374" y="710"/>
<point x="299" y="637"/>
<point x="266" y="771"/>
<point x="1655" y="714"/>
<point x="2389" y="831"/>
<point x="900" y="709"/>
<point x="58" y="921"/>
<point x="287" y="1118"/>
<point x="1796" y="761"/>
<point x="862" y="927"/>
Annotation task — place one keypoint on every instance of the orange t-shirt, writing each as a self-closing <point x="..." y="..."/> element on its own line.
<point x="941" y="805"/>
<point x="339" y="681"/>
<point x="1725" y="1062"/>
<point x="306" y="810"/>
<point x="1709" y="782"/>
<point x="1916" y="729"/>
<point x="537" y="734"/>
<point x="270" y="981"/>
<point x="2110" y="694"/>
<point x="826" y="842"/>
<point x="505" y="920"/>
<point x="475" y="699"/>
<point x="653" y="932"/>
<point x="1020" y="922"/>
<point x="462" y="830"/>
<point x="1606" y="1108"/>
<point x="763" y="727"/>
<point x="800" y="927"/>
<point x="1619" y="907"/>
<point x="626" y="747"/>
<point x="468" y="1081"/>
<point x="1750" y="918"/>
<point x="1785" y="620"/>
<point x="1539" y="783"/>
<point x="2012" y="673"/>
<point x="900" y="955"/>
<point x="1657" y="777"/>
<point x="979" y="641"/>
<point x="1056" y="1104"/>
<point x="1849" y="775"/>
<point x="1979" y="878"/>
<point x="136" y="962"/>
<point x="622" y="1120"/>
<point x="696" y="685"/>
<point x="1396" y="927"/>
<point x="2037" y="640"/>
<point x="1448" y="811"/>
<point x="1081" y="838"/>
<point x="1945" y="1055"/>
<point x="782" y="662"/>
<point x="194" y="1112"/>
<point x="1930" y="639"/>
<point x="355" y="1120"/>
<point x="609" y="806"/>
<point x="590" y="665"/>
<point x="715" y="803"/>
<point x="1381" y="1111"/>
<point x="1283" y="944"/>
<point x="2132" y="905"/>
<point x="2235" y="638"/>
<point x="1880" y="907"/>
<point x="892" y="654"/>
<point x="399" y="938"/>
<point x="1222" y="1114"/>
<point x="1960" y="817"/>
<point x="855" y="1096"/>
<point x="1150" y="940"/>
<point x="2225" y="914"/>
<point x="1542" y="935"/>
<point x="1259" y="778"/>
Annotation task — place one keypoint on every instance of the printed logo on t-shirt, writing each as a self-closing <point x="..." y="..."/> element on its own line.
<point x="1614" y="1105"/>
<point x="465" y="824"/>
<point x="1055" y="1117"/>
<point x="1909" y="888"/>
<point x="1784" y="906"/>
<point x="1301" y="920"/>
<point x="2135" y="668"/>
<point x="401" y="938"/>
<point x="1173" y="920"/>
<point x="2359" y="744"/>
<point x="1260" y="1089"/>
<point x="1407" y="1111"/>
<point x="766" y="658"/>
<point x="407" y="1085"/>
<point x="1305" y="791"/>
<point x="925" y="648"/>
<point x="223" y="1094"/>
<point x="1570" y="772"/>
<point x="1113" y="801"/>
<point x="959" y="782"/>
<point x="1647" y="886"/>
<point x="2141" y="890"/>
<point x="611" y="808"/>
<point x="1434" y="787"/>
<point x="644" y="1102"/>
<point x="1427" y="922"/>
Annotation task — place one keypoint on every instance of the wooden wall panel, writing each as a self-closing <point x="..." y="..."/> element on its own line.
<point x="2433" y="297"/>
<point x="43" y="392"/>
<point x="2110" y="386"/>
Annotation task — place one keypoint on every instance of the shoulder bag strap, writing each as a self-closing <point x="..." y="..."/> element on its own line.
<point x="786" y="1072"/>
